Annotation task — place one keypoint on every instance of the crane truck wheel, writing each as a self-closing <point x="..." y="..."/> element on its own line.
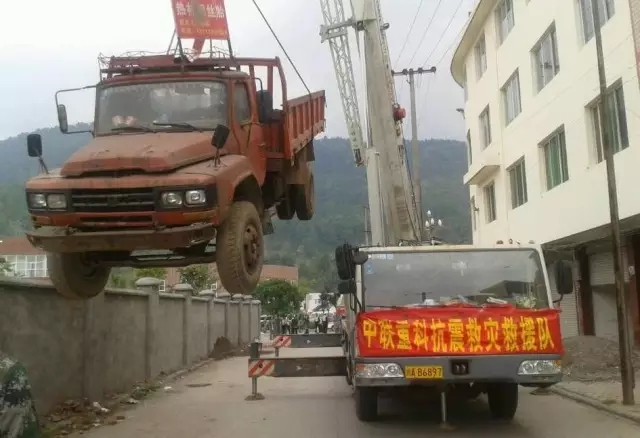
<point x="503" y="400"/>
<point x="366" y="403"/>
<point x="74" y="277"/>
<point x="240" y="249"/>
<point x="305" y="199"/>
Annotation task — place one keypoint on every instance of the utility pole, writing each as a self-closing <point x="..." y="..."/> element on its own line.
<point x="626" y="365"/>
<point x="415" y="147"/>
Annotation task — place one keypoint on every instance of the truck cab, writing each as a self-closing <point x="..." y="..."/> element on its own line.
<point x="446" y="319"/>
<point x="188" y="162"/>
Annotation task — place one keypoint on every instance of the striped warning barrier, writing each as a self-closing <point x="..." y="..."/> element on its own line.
<point x="261" y="367"/>
<point x="280" y="341"/>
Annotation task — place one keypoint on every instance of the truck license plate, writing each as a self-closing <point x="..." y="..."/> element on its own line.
<point x="427" y="372"/>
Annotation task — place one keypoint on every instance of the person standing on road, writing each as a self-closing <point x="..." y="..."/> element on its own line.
<point x="18" y="418"/>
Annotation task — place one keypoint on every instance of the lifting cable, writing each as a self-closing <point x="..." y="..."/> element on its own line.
<point x="273" y="32"/>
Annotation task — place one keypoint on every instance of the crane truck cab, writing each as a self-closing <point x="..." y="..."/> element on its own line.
<point x="188" y="161"/>
<point x="450" y="319"/>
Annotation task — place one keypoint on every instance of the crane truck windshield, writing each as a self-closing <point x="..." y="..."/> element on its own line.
<point x="438" y="278"/>
<point x="161" y="106"/>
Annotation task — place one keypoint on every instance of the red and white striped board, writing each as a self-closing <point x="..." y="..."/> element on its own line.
<point x="261" y="367"/>
<point x="281" y="341"/>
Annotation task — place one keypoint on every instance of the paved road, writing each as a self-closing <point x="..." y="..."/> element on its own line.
<point x="323" y="408"/>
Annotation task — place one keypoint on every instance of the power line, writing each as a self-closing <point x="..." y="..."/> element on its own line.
<point x="444" y="32"/>
<point x="406" y="39"/>
<point x="453" y="43"/>
<point x="273" y="32"/>
<point x="424" y="34"/>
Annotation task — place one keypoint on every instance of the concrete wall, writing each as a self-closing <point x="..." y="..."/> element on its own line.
<point x="107" y="344"/>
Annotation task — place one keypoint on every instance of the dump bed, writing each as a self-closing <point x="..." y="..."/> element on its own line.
<point x="304" y="119"/>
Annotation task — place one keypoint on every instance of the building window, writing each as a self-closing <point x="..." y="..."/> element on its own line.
<point x="545" y="55"/>
<point x="490" y="202"/>
<point x="511" y="98"/>
<point x="555" y="160"/>
<point x="465" y="87"/>
<point x="620" y="137"/>
<point x="518" y="180"/>
<point x="469" y="152"/>
<point x="485" y="127"/>
<point x="34" y="266"/>
<point x="481" y="56"/>
<point x="606" y="10"/>
<point x="505" y="19"/>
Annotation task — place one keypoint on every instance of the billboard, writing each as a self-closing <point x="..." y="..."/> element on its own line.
<point x="200" y="19"/>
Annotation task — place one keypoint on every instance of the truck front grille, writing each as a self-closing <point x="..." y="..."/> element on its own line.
<point x="112" y="201"/>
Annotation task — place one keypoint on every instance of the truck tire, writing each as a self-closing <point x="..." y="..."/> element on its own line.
<point x="366" y="403"/>
<point x="286" y="209"/>
<point x="503" y="400"/>
<point x="305" y="199"/>
<point x="240" y="249"/>
<point x="74" y="278"/>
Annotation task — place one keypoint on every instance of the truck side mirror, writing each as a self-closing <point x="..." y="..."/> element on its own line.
<point x="264" y="99"/>
<point x="564" y="277"/>
<point x="62" y="119"/>
<point x="344" y="262"/>
<point x="220" y="136"/>
<point x="347" y="287"/>
<point x="34" y="145"/>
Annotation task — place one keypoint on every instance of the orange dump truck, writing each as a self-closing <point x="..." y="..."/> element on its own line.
<point x="450" y="320"/>
<point x="189" y="158"/>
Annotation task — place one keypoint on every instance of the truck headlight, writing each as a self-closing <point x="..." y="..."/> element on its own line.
<point x="378" y="370"/>
<point x="37" y="200"/>
<point x="56" y="201"/>
<point x="540" y="367"/>
<point x="195" y="197"/>
<point x="171" y="199"/>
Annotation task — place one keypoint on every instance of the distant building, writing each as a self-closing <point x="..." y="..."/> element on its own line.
<point x="22" y="258"/>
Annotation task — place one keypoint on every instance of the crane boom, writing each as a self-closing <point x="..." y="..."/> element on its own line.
<point x="394" y="216"/>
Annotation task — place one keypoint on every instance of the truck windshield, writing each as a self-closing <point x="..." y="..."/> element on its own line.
<point x="182" y="105"/>
<point x="440" y="277"/>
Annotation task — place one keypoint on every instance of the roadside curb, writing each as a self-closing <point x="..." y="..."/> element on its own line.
<point x="577" y="397"/>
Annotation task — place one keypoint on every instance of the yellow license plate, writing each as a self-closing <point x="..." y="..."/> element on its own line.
<point x="428" y="372"/>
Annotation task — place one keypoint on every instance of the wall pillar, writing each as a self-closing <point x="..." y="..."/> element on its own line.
<point x="187" y="291"/>
<point x="93" y="348"/>
<point x="152" y="287"/>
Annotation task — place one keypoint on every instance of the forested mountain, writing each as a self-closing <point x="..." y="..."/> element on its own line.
<point x="340" y="196"/>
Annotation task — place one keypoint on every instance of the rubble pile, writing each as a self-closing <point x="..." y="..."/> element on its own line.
<point x="593" y="359"/>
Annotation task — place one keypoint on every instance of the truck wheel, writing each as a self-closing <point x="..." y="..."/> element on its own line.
<point x="240" y="249"/>
<point x="503" y="400"/>
<point x="305" y="199"/>
<point x="366" y="403"/>
<point x="286" y="209"/>
<point x="75" y="278"/>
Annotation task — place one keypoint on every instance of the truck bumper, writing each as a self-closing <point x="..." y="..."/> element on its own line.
<point x="499" y="368"/>
<point x="62" y="239"/>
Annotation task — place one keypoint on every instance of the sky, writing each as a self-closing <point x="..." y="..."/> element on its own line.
<point x="57" y="48"/>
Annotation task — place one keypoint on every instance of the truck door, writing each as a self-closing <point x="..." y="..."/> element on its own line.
<point x="248" y="130"/>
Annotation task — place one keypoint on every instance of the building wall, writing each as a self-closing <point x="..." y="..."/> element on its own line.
<point x="107" y="344"/>
<point x="581" y="203"/>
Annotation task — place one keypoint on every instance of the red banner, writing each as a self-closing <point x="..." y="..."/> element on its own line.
<point x="200" y="19"/>
<point x="458" y="330"/>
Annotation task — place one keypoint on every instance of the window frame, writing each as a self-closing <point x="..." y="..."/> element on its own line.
<point x="485" y="128"/>
<point x="518" y="184"/>
<point x="607" y="10"/>
<point x="555" y="147"/>
<point x="480" y="53"/>
<point x="620" y="127"/>
<point x="511" y="86"/>
<point x="504" y="14"/>
<point x="489" y="195"/>
<point x="550" y="37"/>
<point x="239" y="86"/>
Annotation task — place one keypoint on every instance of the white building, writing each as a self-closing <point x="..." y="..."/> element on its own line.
<point x="536" y="171"/>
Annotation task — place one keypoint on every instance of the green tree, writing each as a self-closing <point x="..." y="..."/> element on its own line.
<point x="198" y="276"/>
<point x="160" y="273"/>
<point x="279" y="297"/>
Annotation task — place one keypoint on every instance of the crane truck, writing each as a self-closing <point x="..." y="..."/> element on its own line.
<point x="457" y="320"/>
<point x="188" y="162"/>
